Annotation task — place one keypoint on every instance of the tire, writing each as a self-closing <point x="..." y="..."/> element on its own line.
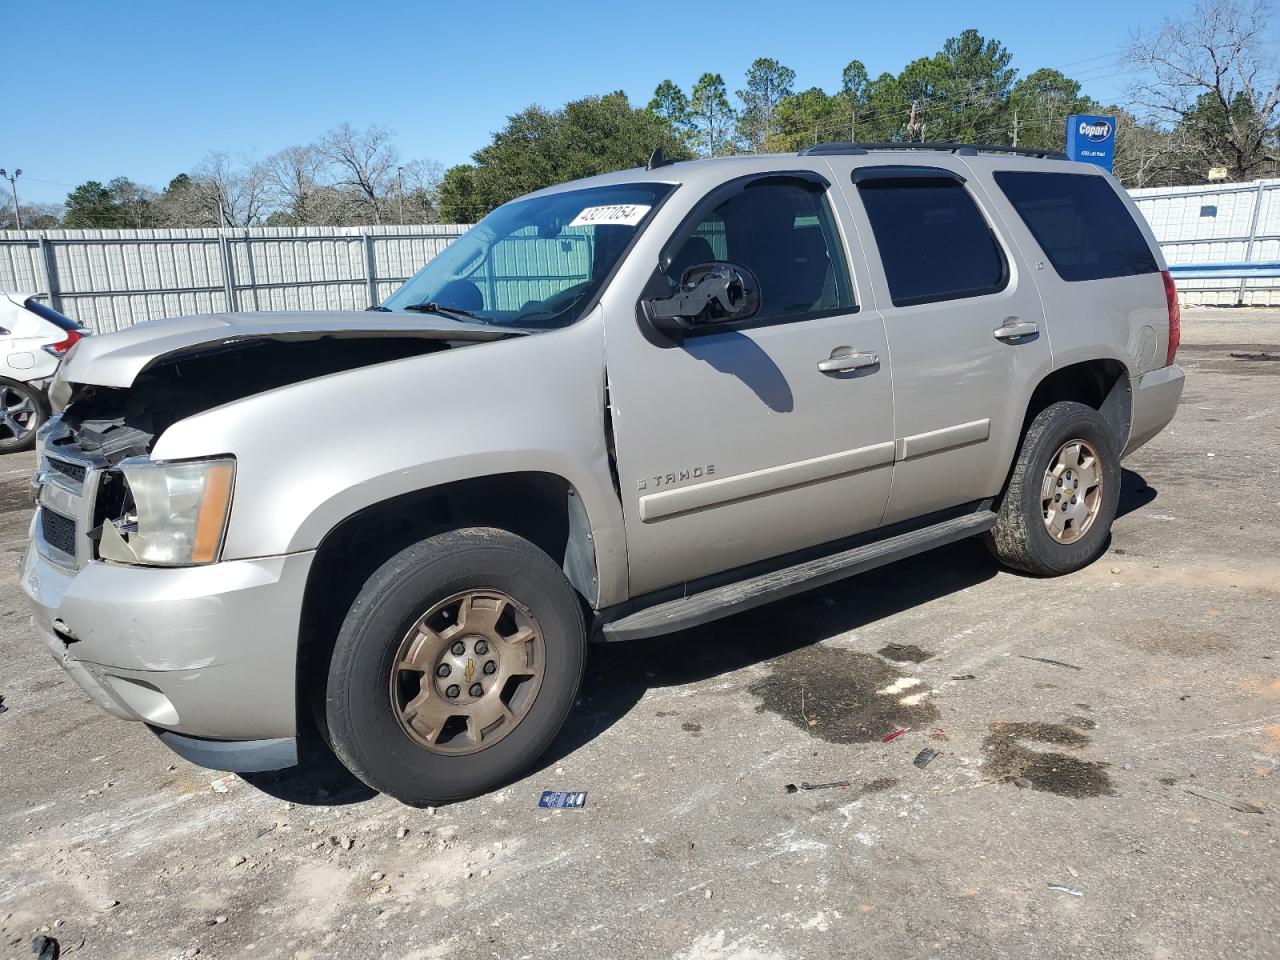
<point x="1021" y="538"/>
<point x="373" y="727"/>
<point x="22" y="412"/>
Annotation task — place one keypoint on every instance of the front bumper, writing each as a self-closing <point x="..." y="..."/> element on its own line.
<point x="207" y="653"/>
<point x="1155" y="401"/>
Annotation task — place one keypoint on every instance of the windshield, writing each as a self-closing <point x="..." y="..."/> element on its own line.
<point x="533" y="263"/>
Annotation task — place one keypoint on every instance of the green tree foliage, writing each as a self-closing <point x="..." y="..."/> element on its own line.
<point x="670" y="105"/>
<point x="712" y="116"/>
<point x="538" y="148"/>
<point x="808" y="117"/>
<point x="91" y="205"/>
<point x="1038" y="104"/>
<point x="768" y="83"/>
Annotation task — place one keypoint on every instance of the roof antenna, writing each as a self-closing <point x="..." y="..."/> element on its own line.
<point x="658" y="159"/>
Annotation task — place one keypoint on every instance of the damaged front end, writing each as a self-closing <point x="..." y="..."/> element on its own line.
<point x="100" y="494"/>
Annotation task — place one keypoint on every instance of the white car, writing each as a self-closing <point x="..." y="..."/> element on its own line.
<point x="33" y="340"/>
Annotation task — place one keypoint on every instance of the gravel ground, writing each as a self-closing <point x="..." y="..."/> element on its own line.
<point x="1102" y="740"/>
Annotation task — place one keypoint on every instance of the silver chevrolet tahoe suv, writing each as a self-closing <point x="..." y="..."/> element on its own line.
<point x="613" y="409"/>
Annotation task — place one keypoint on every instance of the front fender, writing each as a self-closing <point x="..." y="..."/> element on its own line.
<point x="311" y="454"/>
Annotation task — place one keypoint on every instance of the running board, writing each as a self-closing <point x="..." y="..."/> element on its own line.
<point x="717" y="602"/>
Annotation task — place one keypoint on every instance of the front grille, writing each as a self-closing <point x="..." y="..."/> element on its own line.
<point x="74" y="471"/>
<point x="58" y="531"/>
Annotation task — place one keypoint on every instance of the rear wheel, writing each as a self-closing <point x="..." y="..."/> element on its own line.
<point x="1056" y="514"/>
<point x="455" y="667"/>
<point x="22" y="411"/>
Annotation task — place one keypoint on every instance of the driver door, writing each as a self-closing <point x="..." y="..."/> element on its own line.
<point x="743" y="441"/>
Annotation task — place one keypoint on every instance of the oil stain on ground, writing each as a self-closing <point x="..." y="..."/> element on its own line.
<point x="1008" y="758"/>
<point x="904" y="653"/>
<point x="832" y="695"/>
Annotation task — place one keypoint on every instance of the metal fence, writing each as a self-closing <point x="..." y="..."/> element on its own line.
<point x="1222" y="242"/>
<point x="109" y="279"/>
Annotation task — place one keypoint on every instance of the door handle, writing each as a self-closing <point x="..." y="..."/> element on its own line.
<point x="843" y="360"/>
<point x="1014" y="329"/>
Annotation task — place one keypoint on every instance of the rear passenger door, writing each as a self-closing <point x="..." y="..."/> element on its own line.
<point x="965" y="331"/>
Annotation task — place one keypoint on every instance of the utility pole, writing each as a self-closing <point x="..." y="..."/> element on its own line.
<point x="912" y="128"/>
<point x="400" y="190"/>
<point x="1015" y="127"/>
<point x="853" y="123"/>
<point x="13" y="185"/>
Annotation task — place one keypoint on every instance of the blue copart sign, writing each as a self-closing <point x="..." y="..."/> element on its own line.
<point x="1092" y="139"/>
<point x="563" y="800"/>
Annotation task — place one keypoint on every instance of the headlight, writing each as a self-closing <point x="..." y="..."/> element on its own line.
<point x="178" y="513"/>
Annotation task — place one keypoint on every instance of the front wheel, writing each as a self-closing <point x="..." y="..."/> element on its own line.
<point x="1055" y="517"/>
<point x="455" y="667"/>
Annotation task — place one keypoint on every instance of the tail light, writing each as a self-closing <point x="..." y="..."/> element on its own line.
<point x="1175" y="316"/>
<point x="60" y="348"/>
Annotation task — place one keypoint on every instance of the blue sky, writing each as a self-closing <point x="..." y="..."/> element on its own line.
<point x="145" y="89"/>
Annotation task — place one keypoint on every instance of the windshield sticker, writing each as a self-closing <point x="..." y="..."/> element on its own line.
<point x="614" y="214"/>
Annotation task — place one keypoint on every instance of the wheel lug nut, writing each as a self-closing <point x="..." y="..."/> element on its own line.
<point x="443" y="670"/>
<point x="481" y="648"/>
<point x="453" y="691"/>
<point x="490" y="668"/>
<point x="476" y="690"/>
<point x="458" y="649"/>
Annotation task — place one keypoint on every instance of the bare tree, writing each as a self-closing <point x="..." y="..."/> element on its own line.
<point x="297" y="181"/>
<point x="1216" y="74"/>
<point x="366" y="162"/>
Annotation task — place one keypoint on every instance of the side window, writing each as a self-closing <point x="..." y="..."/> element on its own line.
<point x="783" y="231"/>
<point x="1084" y="229"/>
<point x="933" y="241"/>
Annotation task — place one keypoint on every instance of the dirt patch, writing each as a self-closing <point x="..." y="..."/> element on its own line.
<point x="693" y="728"/>
<point x="834" y="695"/>
<point x="1008" y="758"/>
<point x="904" y="653"/>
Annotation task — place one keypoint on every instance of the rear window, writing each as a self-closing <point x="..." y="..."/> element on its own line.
<point x="1082" y="226"/>
<point x="933" y="241"/>
<point x="50" y="314"/>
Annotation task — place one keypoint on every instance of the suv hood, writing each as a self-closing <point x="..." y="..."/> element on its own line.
<point x="116" y="359"/>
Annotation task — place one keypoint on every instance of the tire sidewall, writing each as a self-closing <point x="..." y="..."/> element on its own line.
<point x="1070" y="421"/>
<point x="365" y="733"/>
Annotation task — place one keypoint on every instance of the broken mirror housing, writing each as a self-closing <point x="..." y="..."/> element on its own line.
<point x="176" y="513"/>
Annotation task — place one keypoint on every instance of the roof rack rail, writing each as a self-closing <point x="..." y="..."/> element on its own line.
<point x="961" y="149"/>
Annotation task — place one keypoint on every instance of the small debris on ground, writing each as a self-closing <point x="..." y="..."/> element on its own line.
<point x="805" y="785"/>
<point x="894" y="734"/>
<point x="1062" y="888"/>
<point x="1052" y="663"/>
<point x="563" y="799"/>
<point x="402" y="833"/>
<point x="925" y="757"/>
<point x="46" y="948"/>
<point x="965" y="676"/>
<point x="3" y="708"/>
<point x="1239" y="805"/>
<point x="222" y="784"/>
<point x="1022" y="783"/>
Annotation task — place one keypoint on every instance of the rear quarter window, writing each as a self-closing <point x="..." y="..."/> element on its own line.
<point x="1084" y="229"/>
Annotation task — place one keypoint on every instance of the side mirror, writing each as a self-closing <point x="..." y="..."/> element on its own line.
<point x="713" y="292"/>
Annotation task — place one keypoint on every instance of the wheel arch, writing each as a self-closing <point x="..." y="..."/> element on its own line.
<point x="543" y="508"/>
<point x="1102" y="383"/>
